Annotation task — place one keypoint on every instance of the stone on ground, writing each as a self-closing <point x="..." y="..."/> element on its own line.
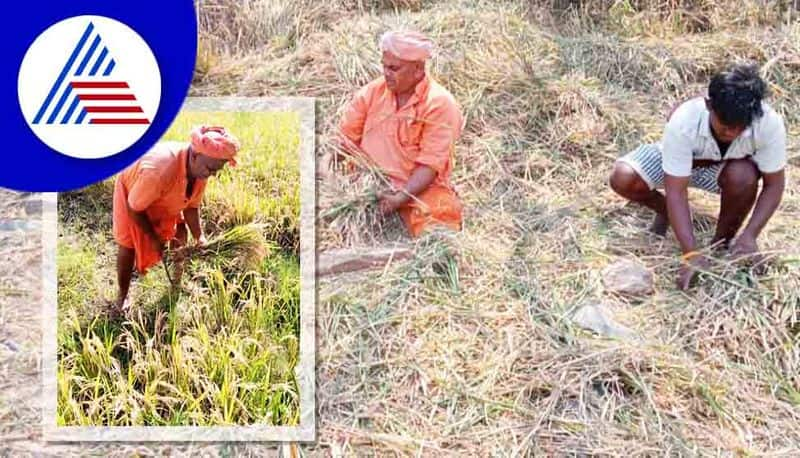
<point x="599" y="319"/>
<point x="629" y="278"/>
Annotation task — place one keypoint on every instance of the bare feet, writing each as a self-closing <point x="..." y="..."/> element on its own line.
<point x="116" y="311"/>
<point x="660" y="225"/>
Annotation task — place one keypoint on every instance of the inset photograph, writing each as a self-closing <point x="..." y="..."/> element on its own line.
<point x="179" y="284"/>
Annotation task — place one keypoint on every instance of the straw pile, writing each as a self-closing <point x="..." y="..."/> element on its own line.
<point x="553" y="92"/>
<point x="469" y="348"/>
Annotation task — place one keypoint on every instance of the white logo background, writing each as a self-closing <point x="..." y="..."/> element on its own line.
<point x="44" y="61"/>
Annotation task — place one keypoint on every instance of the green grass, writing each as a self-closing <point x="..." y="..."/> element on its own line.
<point x="223" y="350"/>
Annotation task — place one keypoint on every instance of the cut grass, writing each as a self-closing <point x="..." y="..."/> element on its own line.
<point x="221" y="352"/>
<point x="469" y="349"/>
<point x="553" y="91"/>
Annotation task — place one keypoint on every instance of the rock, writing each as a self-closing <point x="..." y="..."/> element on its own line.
<point x="598" y="318"/>
<point x="628" y="277"/>
<point x="353" y="259"/>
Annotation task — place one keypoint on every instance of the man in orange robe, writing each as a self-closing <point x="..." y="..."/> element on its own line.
<point x="407" y="124"/>
<point x="159" y="195"/>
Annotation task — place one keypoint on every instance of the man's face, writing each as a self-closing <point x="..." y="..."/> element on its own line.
<point x="204" y="166"/>
<point x="402" y="76"/>
<point x="724" y="132"/>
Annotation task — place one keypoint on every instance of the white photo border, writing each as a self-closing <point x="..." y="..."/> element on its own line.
<point x="306" y="430"/>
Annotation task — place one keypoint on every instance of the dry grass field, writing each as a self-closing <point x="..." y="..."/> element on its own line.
<point x="480" y="358"/>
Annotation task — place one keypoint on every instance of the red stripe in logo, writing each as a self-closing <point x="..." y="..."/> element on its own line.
<point x="134" y="109"/>
<point x="99" y="85"/>
<point x="119" y="121"/>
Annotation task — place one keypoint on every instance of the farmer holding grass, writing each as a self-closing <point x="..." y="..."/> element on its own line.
<point x="407" y="124"/>
<point x="159" y="195"/>
<point x="723" y="143"/>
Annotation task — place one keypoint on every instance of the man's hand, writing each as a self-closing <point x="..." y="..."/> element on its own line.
<point x="201" y="242"/>
<point x="744" y="246"/>
<point x="390" y="201"/>
<point x="689" y="269"/>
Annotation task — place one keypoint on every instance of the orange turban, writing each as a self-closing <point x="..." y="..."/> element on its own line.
<point x="214" y="141"/>
<point x="412" y="46"/>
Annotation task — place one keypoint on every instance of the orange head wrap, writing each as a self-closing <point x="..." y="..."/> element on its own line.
<point x="213" y="141"/>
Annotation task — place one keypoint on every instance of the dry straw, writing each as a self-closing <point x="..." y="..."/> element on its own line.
<point x="553" y="91"/>
<point x="468" y="348"/>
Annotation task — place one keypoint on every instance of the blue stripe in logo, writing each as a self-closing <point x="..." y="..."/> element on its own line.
<point x="63" y="74"/>
<point x="88" y="56"/>
<point x="100" y="59"/>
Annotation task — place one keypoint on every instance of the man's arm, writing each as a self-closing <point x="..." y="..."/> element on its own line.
<point x="421" y="178"/>
<point x="767" y="203"/>
<point x="192" y="217"/>
<point x="770" y="158"/>
<point x="351" y="125"/>
<point x="680" y="218"/>
<point x="442" y="127"/>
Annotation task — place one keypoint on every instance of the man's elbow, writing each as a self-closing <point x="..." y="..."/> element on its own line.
<point x="134" y="212"/>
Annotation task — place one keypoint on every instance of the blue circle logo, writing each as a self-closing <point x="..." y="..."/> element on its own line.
<point x="95" y="90"/>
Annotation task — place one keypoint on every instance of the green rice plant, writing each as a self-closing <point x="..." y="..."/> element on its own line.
<point x="222" y="349"/>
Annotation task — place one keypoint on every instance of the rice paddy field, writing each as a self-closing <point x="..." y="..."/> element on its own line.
<point x="220" y="350"/>
<point x="467" y="349"/>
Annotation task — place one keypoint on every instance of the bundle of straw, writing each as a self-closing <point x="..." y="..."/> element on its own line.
<point x="241" y="246"/>
<point x="348" y="205"/>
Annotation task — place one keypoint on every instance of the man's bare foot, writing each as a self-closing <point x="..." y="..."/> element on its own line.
<point x="115" y="311"/>
<point x="660" y="225"/>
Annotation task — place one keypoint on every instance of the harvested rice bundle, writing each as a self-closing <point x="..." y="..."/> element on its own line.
<point x="243" y="246"/>
<point x="349" y="210"/>
<point x="348" y="206"/>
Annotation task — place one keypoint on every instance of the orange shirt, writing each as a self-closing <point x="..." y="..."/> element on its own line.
<point x="422" y="132"/>
<point x="155" y="184"/>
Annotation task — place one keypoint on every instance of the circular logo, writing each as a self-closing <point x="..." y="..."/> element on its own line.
<point x="89" y="87"/>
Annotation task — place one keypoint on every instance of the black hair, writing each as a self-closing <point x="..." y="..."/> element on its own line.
<point x="736" y="94"/>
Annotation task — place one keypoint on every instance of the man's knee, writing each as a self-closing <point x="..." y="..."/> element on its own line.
<point x="739" y="175"/>
<point x="125" y="253"/>
<point x="626" y="182"/>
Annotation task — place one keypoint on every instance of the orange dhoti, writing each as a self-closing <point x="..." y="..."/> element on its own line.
<point x="436" y="206"/>
<point x="155" y="185"/>
<point x="128" y="233"/>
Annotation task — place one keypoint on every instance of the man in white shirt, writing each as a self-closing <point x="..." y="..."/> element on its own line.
<point x="723" y="143"/>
